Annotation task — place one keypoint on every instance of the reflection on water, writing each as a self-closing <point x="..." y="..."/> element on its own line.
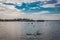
<point x="50" y="30"/>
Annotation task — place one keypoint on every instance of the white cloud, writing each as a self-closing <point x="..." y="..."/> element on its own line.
<point x="20" y="1"/>
<point x="2" y="1"/>
<point x="42" y="12"/>
<point x="10" y="7"/>
<point x="2" y="7"/>
<point x="16" y="14"/>
<point x="43" y="0"/>
<point x="58" y="1"/>
<point x="7" y="8"/>
<point x="48" y="6"/>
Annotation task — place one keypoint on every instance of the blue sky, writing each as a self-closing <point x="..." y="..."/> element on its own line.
<point x="52" y="6"/>
<point x="38" y="7"/>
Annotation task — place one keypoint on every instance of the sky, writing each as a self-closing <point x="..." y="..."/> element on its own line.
<point x="32" y="9"/>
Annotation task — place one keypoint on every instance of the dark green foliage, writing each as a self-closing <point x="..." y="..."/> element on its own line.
<point x="38" y="33"/>
<point x="28" y="34"/>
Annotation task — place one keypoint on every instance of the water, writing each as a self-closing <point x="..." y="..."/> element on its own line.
<point x="50" y="30"/>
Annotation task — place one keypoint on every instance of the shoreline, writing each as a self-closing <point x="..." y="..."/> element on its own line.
<point x="26" y="20"/>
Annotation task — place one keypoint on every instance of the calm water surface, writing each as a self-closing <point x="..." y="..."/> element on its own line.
<point x="50" y="30"/>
